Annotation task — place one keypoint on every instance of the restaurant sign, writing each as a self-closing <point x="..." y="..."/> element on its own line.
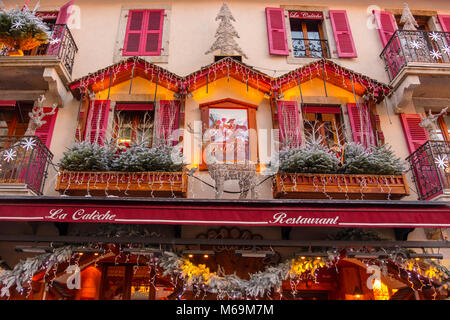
<point x="310" y="15"/>
<point x="221" y="214"/>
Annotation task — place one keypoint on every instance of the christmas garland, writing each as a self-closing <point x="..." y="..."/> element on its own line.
<point x="200" y="278"/>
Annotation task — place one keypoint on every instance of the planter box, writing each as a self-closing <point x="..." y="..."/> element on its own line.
<point x="339" y="186"/>
<point x="123" y="184"/>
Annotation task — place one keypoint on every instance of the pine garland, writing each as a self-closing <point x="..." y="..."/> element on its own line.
<point x="200" y="277"/>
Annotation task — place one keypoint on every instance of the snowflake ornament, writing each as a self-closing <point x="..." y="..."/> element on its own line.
<point x="442" y="161"/>
<point x="54" y="41"/>
<point x="446" y="49"/>
<point x="435" y="36"/>
<point x="9" y="155"/>
<point x="435" y="54"/>
<point x="28" y="143"/>
<point x="17" y="24"/>
<point x="416" y="44"/>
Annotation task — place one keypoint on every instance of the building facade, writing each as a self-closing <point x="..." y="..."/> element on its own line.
<point x="237" y="89"/>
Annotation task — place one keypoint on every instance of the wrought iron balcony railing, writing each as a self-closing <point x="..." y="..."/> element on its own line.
<point x="311" y="48"/>
<point x="62" y="45"/>
<point x="430" y="166"/>
<point x="406" y="47"/>
<point x="24" y="160"/>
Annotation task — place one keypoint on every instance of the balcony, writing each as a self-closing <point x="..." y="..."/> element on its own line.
<point x="417" y="49"/>
<point x="47" y="68"/>
<point x="23" y="165"/>
<point x="431" y="170"/>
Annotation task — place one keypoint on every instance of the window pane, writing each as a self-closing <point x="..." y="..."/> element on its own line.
<point x="140" y="284"/>
<point x="229" y="134"/>
<point x="152" y="42"/>
<point x="134" y="40"/>
<point x="114" y="283"/>
<point x="135" y="127"/>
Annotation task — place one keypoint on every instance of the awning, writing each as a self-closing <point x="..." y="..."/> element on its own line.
<point x="287" y="213"/>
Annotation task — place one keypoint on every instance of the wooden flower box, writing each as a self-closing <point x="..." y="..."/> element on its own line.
<point x="339" y="186"/>
<point x="123" y="184"/>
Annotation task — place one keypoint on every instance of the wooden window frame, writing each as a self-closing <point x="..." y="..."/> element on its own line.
<point x="339" y="121"/>
<point x="134" y="125"/>
<point x="303" y="23"/>
<point x="444" y="129"/>
<point x="231" y="104"/>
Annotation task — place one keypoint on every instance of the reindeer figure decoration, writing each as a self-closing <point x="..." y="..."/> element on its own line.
<point x="429" y="123"/>
<point x="245" y="173"/>
<point x="37" y="115"/>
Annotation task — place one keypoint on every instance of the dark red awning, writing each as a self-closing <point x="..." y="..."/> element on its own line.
<point x="292" y="213"/>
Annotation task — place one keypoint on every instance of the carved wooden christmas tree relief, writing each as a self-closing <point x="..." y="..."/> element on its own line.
<point x="408" y="19"/>
<point x="225" y="35"/>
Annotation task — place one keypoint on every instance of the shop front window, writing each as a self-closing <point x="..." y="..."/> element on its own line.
<point x="133" y="282"/>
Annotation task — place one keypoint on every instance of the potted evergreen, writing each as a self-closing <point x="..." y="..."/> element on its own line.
<point x="315" y="172"/>
<point x="21" y="29"/>
<point x="137" y="171"/>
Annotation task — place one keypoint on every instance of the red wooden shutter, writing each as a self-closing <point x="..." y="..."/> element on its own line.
<point x="133" y="36"/>
<point x="46" y="131"/>
<point x="64" y="13"/>
<point x="152" y="34"/>
<point x="342" y="34"/>
<point x="415" y="135"/>
<point x="168" y="118"/>
<point x="355" y="122"/>
<point x="444" y="20"/>
<point x="386" y="25"/>
<point x="276" y="30"/>
<point x="288" y="121"/>
<point x="97" y="121"/>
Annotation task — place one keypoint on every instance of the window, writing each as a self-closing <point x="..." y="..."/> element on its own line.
<point x="443" y="131"/>
<point x="144" y="33"/>
<point x="323" y="124"/>
<point x="422" y="21"/>
<point x="133" y="282"/>
<point x="230" y="132"/>
<point x="14" y="118"/>
<point x="134" y="123"/>
<point x="308" y="38"/>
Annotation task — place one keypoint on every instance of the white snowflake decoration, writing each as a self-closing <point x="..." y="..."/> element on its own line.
<point x="435" y="36"/>
<point x="54" y="41"/>
<point x="9" y="155"/>
<point x="17" y="24"/>
<point x="28" y="143"/>
<point x="416" y="44"/>
<point x="442" y="161"/>
<point x="435" y="54"/>
<point x="446" y="49"/>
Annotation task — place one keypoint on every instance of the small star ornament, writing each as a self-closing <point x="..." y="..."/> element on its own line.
<point x="9" y="155"/>
<point x="28" y="143"/>
<point x="442" y="161"/>
<point x="435" y="54"/>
